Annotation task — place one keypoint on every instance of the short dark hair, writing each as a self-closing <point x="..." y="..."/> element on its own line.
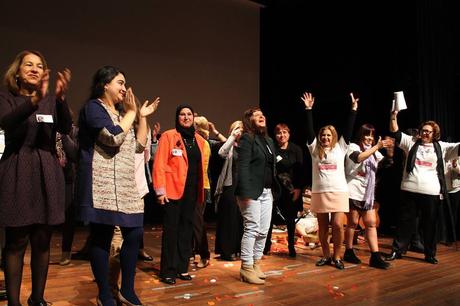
<point x="281" y="126"/>
<point x="102" y="77"/>
<point x="366" y="129"/>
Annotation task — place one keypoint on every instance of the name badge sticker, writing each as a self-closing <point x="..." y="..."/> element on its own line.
<point x="176" y="152"/>
<point x="44" y="118"/>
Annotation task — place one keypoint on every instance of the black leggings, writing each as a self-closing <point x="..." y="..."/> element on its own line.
<point x="200" y="238"/>
<point x="68" y="228"/>
<point x="16" y="242"/>
<point x="101" y="238"/>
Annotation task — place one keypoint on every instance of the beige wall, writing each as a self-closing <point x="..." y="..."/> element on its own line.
<point x="205" y="53"/>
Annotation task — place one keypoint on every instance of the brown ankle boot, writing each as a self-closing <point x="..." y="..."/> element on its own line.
<point x="258" y="271"/>
<point x="248" y="275"/>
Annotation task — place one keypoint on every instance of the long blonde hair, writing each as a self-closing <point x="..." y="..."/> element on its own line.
<point x="234" y="125"/>
<point x="201" y="126"/>
<point x="319" y="147"/>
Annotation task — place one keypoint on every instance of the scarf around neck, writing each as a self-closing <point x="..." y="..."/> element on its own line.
<point x="186" y="132"/>
<point x="411" y="157"/>
<point x="370" y="165"/>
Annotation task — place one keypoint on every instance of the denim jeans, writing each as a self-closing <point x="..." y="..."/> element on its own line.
<point x="257" y="216"/>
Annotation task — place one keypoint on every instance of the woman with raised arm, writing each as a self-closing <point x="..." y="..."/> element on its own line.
<point x="329" y="188"/>
<point x="32" y="186"/>
<point x="229" y="224"/>
<point x="361" y="167"/>
<point x="200" y="236"/>
<point x="106" y="190"/>
<point x="453" y="188"/>
<point x="422" y="184"/>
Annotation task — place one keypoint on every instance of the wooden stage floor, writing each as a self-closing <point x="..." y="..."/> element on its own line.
<point x="298" y="281"/>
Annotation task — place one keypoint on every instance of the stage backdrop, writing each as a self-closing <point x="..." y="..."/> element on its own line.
<point x="205" y="53"/>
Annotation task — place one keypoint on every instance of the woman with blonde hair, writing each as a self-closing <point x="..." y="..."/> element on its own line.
<point x="200" y="238"/>
<point x="329" y="188"/>
<point x="229" y="225"/>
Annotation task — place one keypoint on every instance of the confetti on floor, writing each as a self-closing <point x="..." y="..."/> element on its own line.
<point x="248" y="293"/>
<point x="173" y="286"/>
<point x="310" y="271"/>
<point x="186" y="296"/>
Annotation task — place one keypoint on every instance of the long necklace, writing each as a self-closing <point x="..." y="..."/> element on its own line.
<point x="189" y="143"/>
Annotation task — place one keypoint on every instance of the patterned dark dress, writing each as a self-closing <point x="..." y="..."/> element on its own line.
<point x="31" y="179"/>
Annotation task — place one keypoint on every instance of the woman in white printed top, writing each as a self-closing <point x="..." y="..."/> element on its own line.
<point x="329" y="188"/>
<point x="361" y="167"/>
<point x="422" y="184"/>
<point x="453" y="188"/>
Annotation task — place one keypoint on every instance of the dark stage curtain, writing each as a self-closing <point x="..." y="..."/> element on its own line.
<point x="436" y="65"/>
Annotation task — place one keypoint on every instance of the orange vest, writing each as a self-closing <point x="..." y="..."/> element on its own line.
<point x="171" y="165"/>
<point x="206" y="155"/>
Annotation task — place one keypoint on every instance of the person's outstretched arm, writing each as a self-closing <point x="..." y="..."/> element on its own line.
<point x="348" y="131"/>
<point x="309" y="100"/>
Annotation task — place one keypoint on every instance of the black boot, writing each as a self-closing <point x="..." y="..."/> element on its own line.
<point x="30" y="302"/>
<point x="350" y="257"/>
<point x="292" y="252"/>
<point x="376" y="261"/>
<point x="393" y="255"/>
<point x="431" y="260"/>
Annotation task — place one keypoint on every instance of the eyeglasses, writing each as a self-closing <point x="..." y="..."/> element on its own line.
<point x="427" y="132"/>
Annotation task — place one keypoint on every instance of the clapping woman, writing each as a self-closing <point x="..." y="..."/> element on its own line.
<point x="107" y="192"/>
<point x="31" y="179"/>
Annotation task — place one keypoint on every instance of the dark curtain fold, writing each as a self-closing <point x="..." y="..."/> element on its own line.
<point x="436" y="65"/>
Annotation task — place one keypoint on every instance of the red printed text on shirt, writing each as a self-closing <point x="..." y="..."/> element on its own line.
<point x="423" y="163"/>
<point x="327" y="167"/>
